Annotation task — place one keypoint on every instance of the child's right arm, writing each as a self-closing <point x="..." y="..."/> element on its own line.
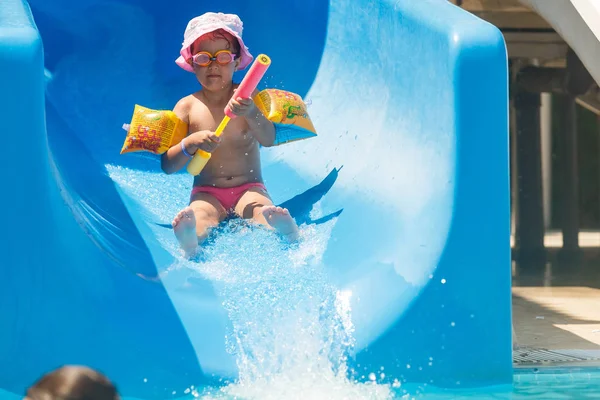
<point x="178" y="155"/>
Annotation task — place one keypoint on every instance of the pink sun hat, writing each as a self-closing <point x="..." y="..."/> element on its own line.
<point x="210" y="22"/>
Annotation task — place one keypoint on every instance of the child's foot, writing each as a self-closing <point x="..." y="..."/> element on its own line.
<point x="281" y="220"/>
<point x="184" y="226"/>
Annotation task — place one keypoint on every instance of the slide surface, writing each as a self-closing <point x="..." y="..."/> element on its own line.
<point x="403" y="197"/>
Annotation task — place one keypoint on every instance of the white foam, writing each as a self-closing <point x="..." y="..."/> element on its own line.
<point x="291" y="330"/>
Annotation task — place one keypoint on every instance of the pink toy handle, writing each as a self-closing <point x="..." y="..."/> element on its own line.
<point x="251" y="80"/>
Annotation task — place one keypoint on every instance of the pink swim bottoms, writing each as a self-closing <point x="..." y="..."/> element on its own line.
<point x="228" y="197"/>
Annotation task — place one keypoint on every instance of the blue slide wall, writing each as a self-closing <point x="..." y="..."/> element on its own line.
<point x="409" y="98"/>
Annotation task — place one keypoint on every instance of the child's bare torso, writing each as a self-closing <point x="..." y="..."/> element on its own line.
<point x="236" y="160"/>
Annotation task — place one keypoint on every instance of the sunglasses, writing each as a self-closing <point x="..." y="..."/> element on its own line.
<point x="204" y="58"/>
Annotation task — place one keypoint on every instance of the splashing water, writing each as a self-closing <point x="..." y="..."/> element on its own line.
<point x="291" y="330"/>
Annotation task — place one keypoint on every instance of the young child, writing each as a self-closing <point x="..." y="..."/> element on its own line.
<point x="231" y="183"/>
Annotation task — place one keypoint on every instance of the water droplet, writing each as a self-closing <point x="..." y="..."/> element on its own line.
<point x="430" y="358"/>
<point x="145" y="380"/>
<point x="372" y="377"/>
<point x="187" y="391"/>
<point x="430" y="276"/>
<point x="381" y="368"/>
<point x="443" y="281"/>
<point x="251" y="170"/>
<point x="382" y="375"/>
<point x="246" y="154"/>
<point x="430" y="363"/>
<point x="396" y="383"/>
<point x="407" y="366"/>
<point x="452" y="324"/>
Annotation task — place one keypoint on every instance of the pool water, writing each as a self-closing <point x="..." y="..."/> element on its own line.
<point x="544" y="383"/>
<point x="575" y="383"/>
<point x="547" y="384"/>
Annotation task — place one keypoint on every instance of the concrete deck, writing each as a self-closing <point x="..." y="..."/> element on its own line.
<point x="558" y="310"/>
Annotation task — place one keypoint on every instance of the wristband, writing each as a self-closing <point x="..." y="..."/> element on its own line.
<point x="183" y="150"/>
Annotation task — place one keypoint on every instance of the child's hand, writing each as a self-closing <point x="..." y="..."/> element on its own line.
<point x="202" y="140"/>
<point x="241" y="107"/>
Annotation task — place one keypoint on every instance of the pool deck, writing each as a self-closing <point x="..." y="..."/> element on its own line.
<point x="556" y="309"/>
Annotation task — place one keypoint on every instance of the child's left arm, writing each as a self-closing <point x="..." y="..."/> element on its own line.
<point x="262" y="129"/>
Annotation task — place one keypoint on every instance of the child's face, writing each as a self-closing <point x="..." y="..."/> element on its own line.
<point x="214" y="76"/>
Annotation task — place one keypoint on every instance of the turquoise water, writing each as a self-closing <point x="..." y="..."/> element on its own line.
<point x="548" y="384"/>
<point x="545" y="384"/>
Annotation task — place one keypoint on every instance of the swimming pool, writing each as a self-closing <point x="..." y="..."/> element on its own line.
<point x="546" y="384"/>
<point x="536" y="383"/>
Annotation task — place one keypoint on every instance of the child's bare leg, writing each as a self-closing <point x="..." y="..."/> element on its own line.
<point x="255" y="204"/>
<point x="191" y="225"/>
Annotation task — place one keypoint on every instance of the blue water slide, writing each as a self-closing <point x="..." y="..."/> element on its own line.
<point x="410" y="165"/>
